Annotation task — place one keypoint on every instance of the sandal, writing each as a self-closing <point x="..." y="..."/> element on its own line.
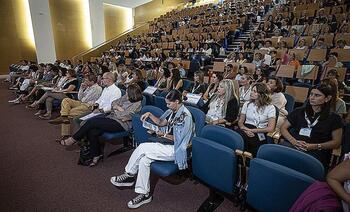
<point x="68" y="142"/>
<point x="95" y="160"/>
<point x="33" y="105"/>
<point x="63" y="137"/>
<point x="46" y="116"/>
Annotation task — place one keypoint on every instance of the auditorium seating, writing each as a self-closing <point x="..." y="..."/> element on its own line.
<point x="278" y="175"/>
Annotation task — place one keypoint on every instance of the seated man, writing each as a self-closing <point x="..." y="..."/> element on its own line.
<point x="72" y="108"/>
<point x="88" y="94"/>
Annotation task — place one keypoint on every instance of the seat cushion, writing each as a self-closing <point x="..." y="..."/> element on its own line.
<point x="164" y="168"/>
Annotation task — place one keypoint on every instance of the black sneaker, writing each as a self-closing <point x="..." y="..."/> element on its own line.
<point x="139" y="200"/>
<point x="123" y="180"/>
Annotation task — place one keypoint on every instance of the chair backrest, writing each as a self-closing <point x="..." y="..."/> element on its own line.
<point x="279" y="175"/>
<point x="140" y="133"/>
<point x="143" y="101"/>
<point x="223" y="136"/>
<point x="290" y="102"/>
<point x="213" y="159"/>
<point x="299" y="93"/>
<point x="199" y="119"/>
<point x="293" y="159"/>
<point x="160" y="102"/>
<point x="187" y="84"/>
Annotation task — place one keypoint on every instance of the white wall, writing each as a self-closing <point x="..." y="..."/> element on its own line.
<point x="43" y="35"/>
<point x="97" y="22"/>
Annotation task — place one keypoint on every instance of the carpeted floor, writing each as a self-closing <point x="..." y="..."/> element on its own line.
<point x="37" y="174"/>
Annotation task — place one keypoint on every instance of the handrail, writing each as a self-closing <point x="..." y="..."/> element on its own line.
<point x="110" y="40"/>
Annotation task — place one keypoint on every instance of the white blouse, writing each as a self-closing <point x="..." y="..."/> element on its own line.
<point x="258" y="118"/>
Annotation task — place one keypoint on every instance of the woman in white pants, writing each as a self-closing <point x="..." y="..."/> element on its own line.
<point x="177" y="130"/>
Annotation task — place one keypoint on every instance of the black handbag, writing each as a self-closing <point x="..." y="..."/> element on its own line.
<point x="85" y="158"/>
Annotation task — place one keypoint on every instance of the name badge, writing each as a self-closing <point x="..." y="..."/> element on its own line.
<point x="261" y="136"/>
<point x="305" y="132"/>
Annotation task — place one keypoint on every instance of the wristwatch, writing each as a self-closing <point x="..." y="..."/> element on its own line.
<point x="319" y="147"/>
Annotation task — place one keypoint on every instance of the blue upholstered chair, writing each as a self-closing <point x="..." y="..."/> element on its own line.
<point x="213" y="157"/>
<point x="160" y="102"/>
<point x="187" y="84"/>
<point x="167" y="168"/>
<point x="278" y="176"/>
<point x="140" y="133"/>
<point x="290" y="102"/>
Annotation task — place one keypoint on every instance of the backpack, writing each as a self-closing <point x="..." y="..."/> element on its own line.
<point x="85" y="158"/>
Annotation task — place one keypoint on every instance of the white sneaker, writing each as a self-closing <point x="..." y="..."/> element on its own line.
<point x="139" y="200"/>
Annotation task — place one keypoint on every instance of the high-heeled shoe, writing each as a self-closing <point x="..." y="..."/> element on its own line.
<point x="95" y="160"/>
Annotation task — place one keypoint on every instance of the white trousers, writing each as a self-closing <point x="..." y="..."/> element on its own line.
<point x="140" y="163"/>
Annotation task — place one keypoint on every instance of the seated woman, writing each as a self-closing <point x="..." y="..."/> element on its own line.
<point x="198" y="87"/>
<point x="278" y="99"/>
<point x="245" y="88"/>
<point x="178" y="124"/>
<point x="137" y="78"/>
<point x="162" y="79"/>
<point x="223" y="107"/>
<point x="213" y="87"/>
<point x="118" y="120"/>
<point x="313" y="128"/>
<point x="339" y="180"/>
<point x="258" y="117"/>
<point x="337" y="104"/>
<point x="70" y="85"/>
<point x="175" y="81"/>
<point x="259" y="76"/>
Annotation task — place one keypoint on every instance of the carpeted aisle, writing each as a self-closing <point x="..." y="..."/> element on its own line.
<point x="37" y="174"/>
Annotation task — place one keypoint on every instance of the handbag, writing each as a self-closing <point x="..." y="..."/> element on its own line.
<point x="85" y="158"/>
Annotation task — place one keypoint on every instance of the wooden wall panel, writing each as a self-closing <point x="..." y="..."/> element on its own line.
<point x="68" y="22"/>
<point x="15" y="43"/>
<point x="154" y="9"/>
<point x="116" y="20"/>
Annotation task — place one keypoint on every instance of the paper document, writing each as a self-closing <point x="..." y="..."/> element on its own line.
<point x="153" y="127"/>
<point x="47" y="88"/>
<point x="267" y="59"/>
<point x="193" y="98"/>
<point x="150" y="90"/>
<point x="89" y="116"/>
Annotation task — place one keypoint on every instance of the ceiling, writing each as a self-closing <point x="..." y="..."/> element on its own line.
<point x="127" y="3"/>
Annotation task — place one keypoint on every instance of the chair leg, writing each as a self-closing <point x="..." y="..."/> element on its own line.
<point x="212" y="202"/>
<point x="127" y="145"/>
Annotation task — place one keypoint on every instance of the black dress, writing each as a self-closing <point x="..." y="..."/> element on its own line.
<point x="320" y="133"/>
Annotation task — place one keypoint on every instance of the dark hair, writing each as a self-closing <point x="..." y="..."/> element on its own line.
<point x="334" y="86"/>
<point x="72" y="73"/>
<point x="176" y="76"/>
<point x="92" y="78"/>
<point x="333" y="72"/>
<point x="327" y="90"/>
<point x="263" y="91"/>
<point x="63" y="71"/>
<point x="138" y="73"/>
<point x="166" y="72"/>
<point x="174" y="95"/>
<point x="279" y="84"/>
<point x="134" y="93"/>
<point x="219" y="76"/>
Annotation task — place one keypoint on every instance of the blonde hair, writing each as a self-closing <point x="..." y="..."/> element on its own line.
<point x="230" y="93"/>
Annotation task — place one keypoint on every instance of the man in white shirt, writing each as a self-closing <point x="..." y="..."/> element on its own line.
<point x="110" y="93"/>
